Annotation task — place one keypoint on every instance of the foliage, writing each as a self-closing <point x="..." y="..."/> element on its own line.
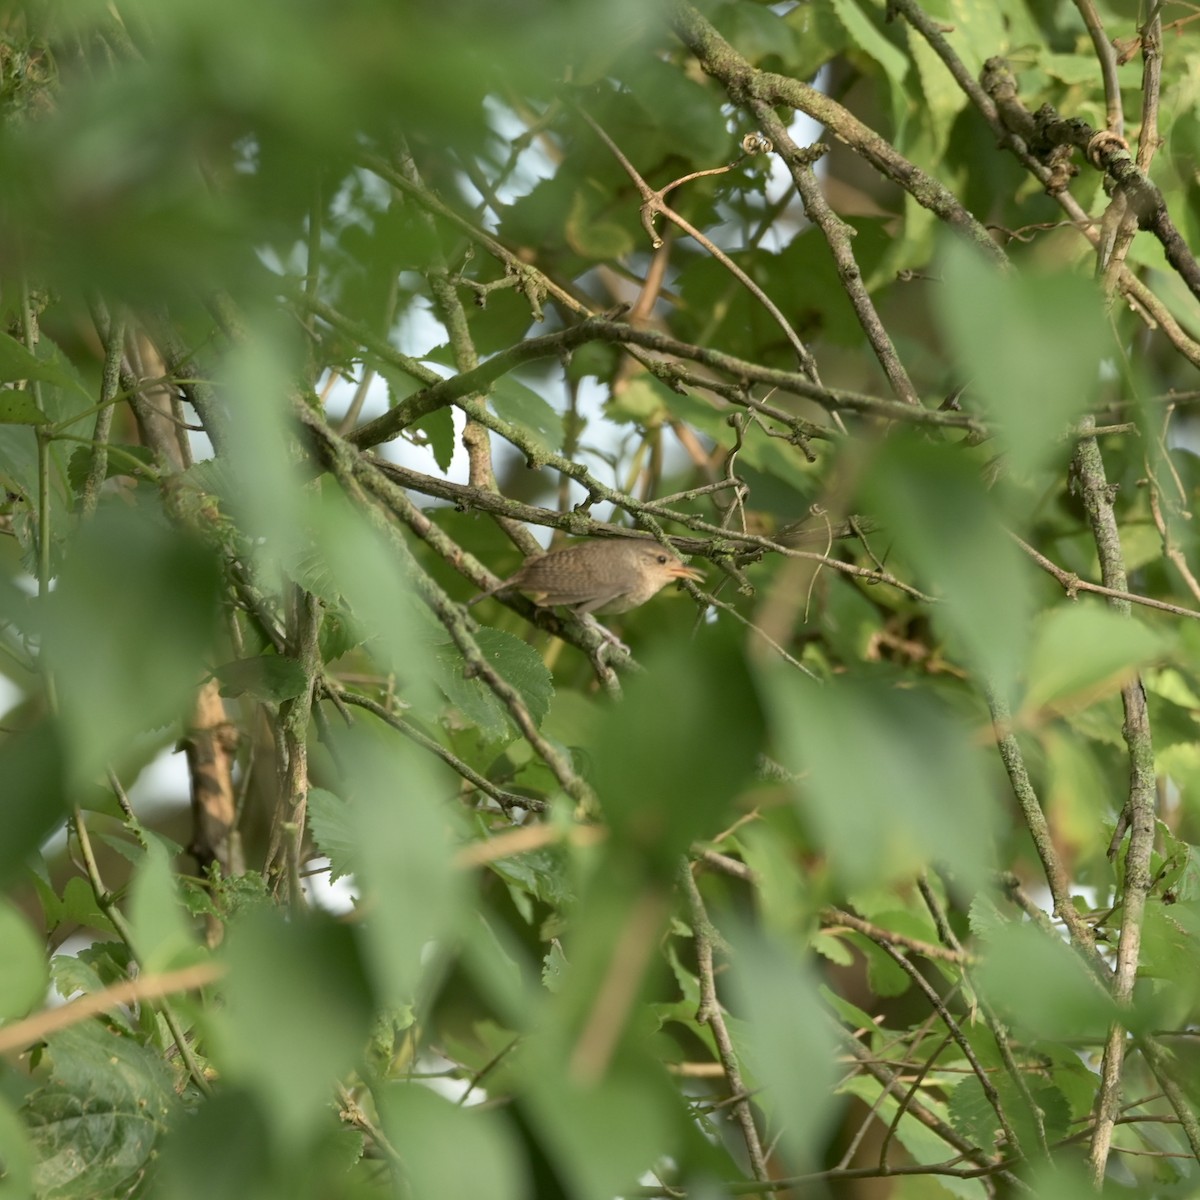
<point x="874" y="856"/>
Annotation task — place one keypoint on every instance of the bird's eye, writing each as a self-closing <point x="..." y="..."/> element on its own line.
<point x="662" y="558"/>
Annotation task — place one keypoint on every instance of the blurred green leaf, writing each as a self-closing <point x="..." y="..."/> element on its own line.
<point x="1032" y="344"/>
<point x="17" y="1155"/>
<point x="273" y="677"/>
<point x="944" y="520"/>
<point x="788" y="1046"/>
<point x="35" y="799"/>
<point x="1040" y="985"/>
<point x="403" y="832"/>
<point x="163" y="935"/>
<point x="26" y="975"/>
<point x="1084" y="650"/>
<point x="451" y="1151"/>
<point x="128" y="630"/>
<point x="524" y="408"/>
<point x="885" y="809"/>
<point x="659" y="793"/>
<point x="275" y="1001"/>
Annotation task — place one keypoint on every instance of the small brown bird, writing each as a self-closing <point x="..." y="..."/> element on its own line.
<point x="610" y="576"/>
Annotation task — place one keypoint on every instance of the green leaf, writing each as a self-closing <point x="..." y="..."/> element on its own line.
<point x="1030" y="346"/>
<point x="162" y="933"/>
<point x="26" y="973"/>
<point x="258" y="1032"/>
<point x="1040" y="985"/>
<point x="448" y="1150"/>
<point x="95" y="1125"/>
<point x="80" y="462"/>
<point x="272" y="677"/>
<point x="883" y="811"/>
<point x="922" y="1143"/>
<point x="523" y="407"/>
<point x="788" y="1044"/>
<point x="945" y="522"/>
<point x="863" y="34"/>
<point x="31" y="763"/>
<point x="128" y="630"/>
<point x="1082" y="651"/>
<point x="515" y="660"/>
<point x="973" y="1115"/>
<point x="671" y="758"/>
<point x="17" y="363"/>
<point x="438" y="428"/>
<point x="405" y="851"/>
<point x="17" y="407"/>
<point x="333" y="829"/>
<point x="16" y="1155"/>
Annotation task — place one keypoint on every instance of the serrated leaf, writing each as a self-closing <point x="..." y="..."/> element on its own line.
<point x="332" y="827"/>
<point x="438" y="428"/>
<point x="516" y="661"/>
<point x="832" y="947"/>
<point x="541" y="873"/>
<point x="523" y="407"/>
<point x="272" y="677"/>
<point x="972" y="1114"/>
<point x="17" y="363"/>
<point x="26" y="974"/>
<point x="522" y="666"/>
<point x="1083" y="651"/>
<point x="80" y="462"/>
<point x="868" y="39"/>
<point x="98" y="1120"/>
<point x="1031" y="345"/>
<point x="18" y="408"/>
<point x="922" y="1143"/>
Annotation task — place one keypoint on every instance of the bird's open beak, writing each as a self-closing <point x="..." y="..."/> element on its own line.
<point x="678" y="570"/>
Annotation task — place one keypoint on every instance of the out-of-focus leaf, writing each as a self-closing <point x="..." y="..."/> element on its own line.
<point x="163" y="936"/>
<point x="128" y="630"/>
<point x="403" y="833"/>
<point x="449" y="1150"/>
<point x="944" y="521"/>
<point x="275" y="1001"/>
<point x="16" y="1153"/>
<point x="26" y="975"/>
<point x="273" y="677"/>
<point x="659" y="782"/>
<point x="31" y="762"/>
<point x="788" y="1044"/>
<point x="1039" y="984"/>
<point x="1082" y="651"/>
<point x="1030" y="346"/>
<point x="912" y="791"/>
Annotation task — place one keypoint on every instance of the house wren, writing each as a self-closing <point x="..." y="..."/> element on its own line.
<point x="610" y="576"/>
